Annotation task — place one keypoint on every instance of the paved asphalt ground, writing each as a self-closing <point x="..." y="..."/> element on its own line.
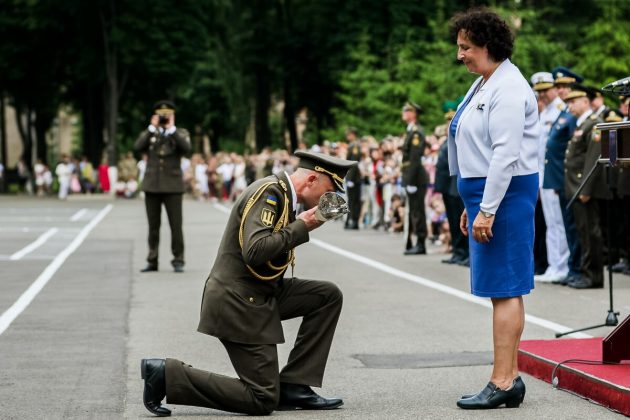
<point x="76" y="317"/>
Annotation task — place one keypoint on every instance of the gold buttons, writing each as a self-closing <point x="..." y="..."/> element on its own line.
<point x="251" y="299"/>
<point x="579" y="175"/>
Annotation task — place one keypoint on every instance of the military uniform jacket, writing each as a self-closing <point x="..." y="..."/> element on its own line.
<point x="239" y="303"/>
<point x="354" y="174"/>
<point x="413" y="173"/>
<point x="164" y="172"/>
<point x="559" y="136"/>
<point x="444" y="182"/>
<point x="582" y="152"/>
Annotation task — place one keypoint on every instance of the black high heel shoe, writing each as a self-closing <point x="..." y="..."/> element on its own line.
<point x="493" y="397"/>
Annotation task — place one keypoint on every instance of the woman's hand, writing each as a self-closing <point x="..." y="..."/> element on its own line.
<point x="463" y="223"/>
<point x="482" y="228"/>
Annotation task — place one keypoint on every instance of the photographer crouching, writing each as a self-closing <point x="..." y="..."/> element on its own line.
<point x="163" y="183"/>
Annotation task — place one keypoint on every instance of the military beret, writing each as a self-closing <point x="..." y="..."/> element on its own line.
<point x="542" y="81"/>
<point x="450" y="106"/>
<point x="412" y="106"/>
<point x="332" y="166"/>
<point x="164" y="106"/>
<point x="563" y="75"/>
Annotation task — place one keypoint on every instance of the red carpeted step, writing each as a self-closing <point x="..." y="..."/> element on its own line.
<point x="608" y="385"/>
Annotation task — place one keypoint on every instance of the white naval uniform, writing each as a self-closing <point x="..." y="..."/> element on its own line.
<point x="556" y="238"/>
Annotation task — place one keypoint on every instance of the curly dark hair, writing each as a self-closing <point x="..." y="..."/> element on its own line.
<point x="484" y="28"/>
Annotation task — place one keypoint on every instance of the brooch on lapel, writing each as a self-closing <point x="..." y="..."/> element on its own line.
<point x="480" y="106"/>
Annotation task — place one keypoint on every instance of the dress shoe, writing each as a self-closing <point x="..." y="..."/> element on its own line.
<point x="416" y="250"/>
<point x="178" y="268"/>
<point x="452" y="260"/>
<point x="148" y="268"/>
<point x="153" y="373"/>
<point x="620" y="267"/>
<point x="294" y="396"/>
<point x="493" y="397"/>
<point x="550" y="278"/>
<point x="464" y="263"/>
<point x="584" y="283"/>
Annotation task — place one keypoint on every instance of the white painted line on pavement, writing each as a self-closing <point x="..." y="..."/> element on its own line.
<point x="76" y="216"/>
<point x="541" y="322"/>
<point x="34" y="245"/>
<point x="27" y="297"/>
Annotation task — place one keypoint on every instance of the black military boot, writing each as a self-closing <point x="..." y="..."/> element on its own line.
<point x="153" y="372"/>
<point x="149" y="268"/>
<point x="294" y="396"/>
<point x="419" y="249"/>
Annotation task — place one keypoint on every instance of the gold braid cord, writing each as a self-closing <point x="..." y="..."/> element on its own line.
<point x="282" y="222"/>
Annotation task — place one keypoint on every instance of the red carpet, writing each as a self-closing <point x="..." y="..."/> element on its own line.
<point x="608" y="385"/>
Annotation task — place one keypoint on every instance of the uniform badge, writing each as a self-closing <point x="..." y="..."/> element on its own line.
<point x="266" y="216"/>
<point x="283" y="185"/>
<point x="355" y="150"/>
<point x="416" y="140"/>
<point x="272" y="200"/>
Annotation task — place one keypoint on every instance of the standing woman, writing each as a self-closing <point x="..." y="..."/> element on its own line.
<point x="493" y="149"/>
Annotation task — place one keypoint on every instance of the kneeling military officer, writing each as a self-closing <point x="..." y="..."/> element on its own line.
<point x="246" y="298"/>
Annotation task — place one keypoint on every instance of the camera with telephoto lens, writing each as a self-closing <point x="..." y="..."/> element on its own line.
<point x="163" y="119"/>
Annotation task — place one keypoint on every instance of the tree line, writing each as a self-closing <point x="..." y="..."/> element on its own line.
<point x="229" y="63"/>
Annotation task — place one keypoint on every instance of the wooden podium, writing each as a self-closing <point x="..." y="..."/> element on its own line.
<point x="616" y="345"/>
<point x="615" y="142"/>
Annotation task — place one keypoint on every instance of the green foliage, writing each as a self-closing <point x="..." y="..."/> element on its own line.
<point x="350" y="63"/>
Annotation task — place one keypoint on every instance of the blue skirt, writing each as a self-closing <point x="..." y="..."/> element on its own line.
<point x="504" y="267"/>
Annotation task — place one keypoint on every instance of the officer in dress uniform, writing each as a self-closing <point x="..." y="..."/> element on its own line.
<point x="623" y="191"/>
<point x="453" y="204"/>
<point x="246" y="297"/>
<point x="414" y="178"/>
<point x="619" y="206"/>
<point x="353" y="180"/>
<point x="163" y="184"/>
<point x="564" y="78"/>
<point x="600" y="110"/>
<point x="582" y="153"/>
<point x="558" y="125"/>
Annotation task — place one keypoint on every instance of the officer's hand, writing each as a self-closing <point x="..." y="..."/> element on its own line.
<point x="171" y="121"/>
<point x="463" y="223"/>
<point x="584" y="198"/>
<point x="309" y="218"/>
<point x="155" y="121"/>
